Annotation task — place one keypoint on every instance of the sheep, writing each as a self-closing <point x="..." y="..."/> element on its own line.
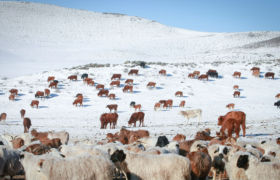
<point x="12" y="165"/>
<point x="147" y="142"/>
<point x="234" y="149"/>
<point x="269" y="158"/>
<point x="254" y="151"/>
<point x="270" y="144"/>
<point x="89" y="150"/>
<point x="164" y="166"/>
<point x="242" y="143"/>
<point x="172" y="147"/>
<point x="3" y="155"/>
<point x="256" y="170"/>
<point x="63" y="136"/>
<point x="275" y="152"/>
<point x="217" y="154"/>
<point x="200" y="165"/>
<point x="77" y="167"/>
<point x="232" y="170"/>
<point x="29" y="162"/>
<point x="9" y="137"/>
<point x="37" y="149"/>
<point x="194" y="146"/>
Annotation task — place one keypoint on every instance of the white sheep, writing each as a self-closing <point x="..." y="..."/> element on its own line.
<point x="163" y="167"/>
<point x="233" y="171"/>
<point x="269" y="144"/>
<point x="194" y="145"/>
<point x="242" y="143"/>
<point x="90" y="151"/>
<point x="147" y="142"/>
<point x="30" y="162"/>
<point x="77" y="167"/>
<point x="275" y="152"/>
<point x="12" y="164"/>
<point x="269" y="158"/>
<point x="172" y="147"/>
<point x="254" y="151"/>
<point x="256" y="170"/>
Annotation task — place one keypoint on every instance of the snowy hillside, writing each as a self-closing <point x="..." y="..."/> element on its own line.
<point x="58" y="113"/>
<point x="32" y="33"/>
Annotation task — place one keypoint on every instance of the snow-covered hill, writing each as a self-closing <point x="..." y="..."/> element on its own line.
<point x="58" y="113"/>
<point x="33" y="32"/>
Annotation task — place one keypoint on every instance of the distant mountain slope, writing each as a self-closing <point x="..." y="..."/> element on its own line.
<point x="33" y="31"/>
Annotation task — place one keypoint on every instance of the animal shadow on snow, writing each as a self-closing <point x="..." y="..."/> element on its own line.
<point x="242" y="97"/>
<point x="107" y="89"/>
<point x="159" y="88"/>
<point x="86" y="105"/>
<point x="244" y="78"/>
<point x="120" y="86"/>
<point x="21" y="94"/>
<point x="237" y="110"/>
<point x="136" y="91"/>
<point x="168" y="75"/>
<point x="2" y="93"/>
<point x="118" y="98"/>
<point x="211" y="80"/>
<point x="220" y="77"/>
<point x="41" y="107"/>
<point x="60" y="85"/>
<point x="86" y="100"/>
<point x="147" y="67"/>
<point x="140" y="74"/>
<point x="14" y="122"/>
<point x="254" y="135"/>
<point x="240" y="89"/>
<point x="175" y="106"/>
<point x="165" y="110"/>
<point x="121" y="111"/>
<point x="135" y="84"/>
<point x="17" y="99"/>
<point x="122" y="79"/>
<point x="276" y="78"/>
<point x="52" y="96"/>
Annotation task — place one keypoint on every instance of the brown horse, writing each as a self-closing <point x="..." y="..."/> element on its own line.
<point x="269" y="74"/>
<point x="40" y="93"/>
<point x="14" y="91"/>
<point x="53" y="84"/>
<point x="138" y="116"/>
<point x="12" y="97"/>
<point x="73" y="77"/>
<point x="162" y="72"/>
<point x="128" y="88"/>
<point x="34" y="103"/>
<point x="100" y="86"/>
<point x="202" y="77"/>
<point x="22" y="113"/>
<point x="106" y="118"/>
<point x="78" y="101"/>
<point x="26" y="124"/>
<point x="182" y="104"/>
<point x="47" y="92"/>
<point x="3" y="117"/>
<point x="103" y="92"/>
<point x="133" y="71"/>
<point x="112" y="96"/>
<point x="180" y="93"/>
<point x="151" y="84"/>
<point x="238" y="115"/>
<point x="115" y="76"/>
<point x="51" y="78"/>
<point x="237" y="74"/>
<point x="129" y="81"/>
<point x="117" y="83"/>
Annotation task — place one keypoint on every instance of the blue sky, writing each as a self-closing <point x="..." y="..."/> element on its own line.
<point x="198" y="15"/>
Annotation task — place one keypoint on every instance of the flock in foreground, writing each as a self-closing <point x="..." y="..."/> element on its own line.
<point x="135" y="154"/>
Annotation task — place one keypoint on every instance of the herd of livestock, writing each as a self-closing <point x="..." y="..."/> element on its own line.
<point x="135" y="154"/>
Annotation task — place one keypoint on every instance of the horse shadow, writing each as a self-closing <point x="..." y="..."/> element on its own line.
<point x="240" y="89"/>
<point x="121" y="85"/>
<point x="211" y="80"/>
<point x="135" y="84"/>
<point x="254" y="135"/>
<point x="140" y="74"/>
<point x="60" y="85"/>
<point x="243" y="97"/>
<point x="14" y="122"/>
<point x="121" y="111"/>
<point x="136" y="91"/>
<point x="185" y="96"/>
<point x="159" y="88"/>
<point x="17" y="99"/>
<point x="2" y="93"/>
<point x="276" y="78"/>
<point x="41" y="107"/>
<point x="86" y="105"/>
<point x="243" y="78"/>
<point x="142" y="110"/>
<point x="122" y="79"/>
<point x="165" y="110"/>
<point x="52" y="96"/>
<point x="175" y="106"/>
<point x="262" y="72"/>
<point x="118" y="98"/>
<point x="261" y="76"/>
<point x="220" y="77"/>
<point x="237" y="110"/>
<point x="60" y="88"/>
<point x="147" y="67"/>
<point x="21" y="94"/>
<point x="168" y="75"/>
<point x="107" y="89"/>
<point x="86" y="100"/>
